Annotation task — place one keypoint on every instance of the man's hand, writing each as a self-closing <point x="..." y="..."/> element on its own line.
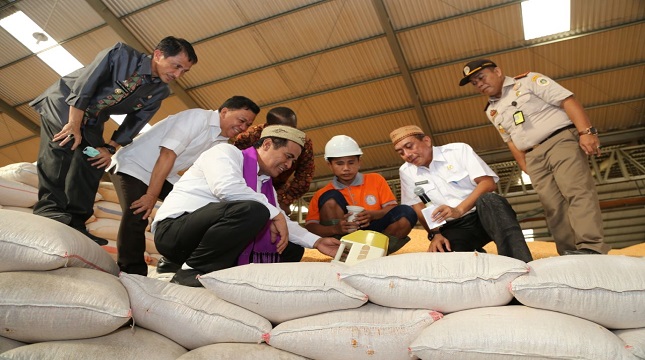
<point x="279" y="228"/>
<point x="363" y="219"/>
<point x="102" y="160"/>
<point x="328" y="246"/>
<point x="71" y="131"/>
<point x="68" y="134"/>
<point x="445" y="212"/>
<point x="144" y="204"/>
<point x="590" y="144"/>
<point x="346" y="227"/>
<point x="439" y="244"/>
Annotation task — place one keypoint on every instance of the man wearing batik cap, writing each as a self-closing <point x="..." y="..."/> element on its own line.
<point x="550" y="137"/>
<point x="223" y="211"/>
<point x="460" y="183"/>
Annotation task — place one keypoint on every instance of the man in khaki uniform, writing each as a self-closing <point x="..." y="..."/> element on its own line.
<point x="550" y="136"/>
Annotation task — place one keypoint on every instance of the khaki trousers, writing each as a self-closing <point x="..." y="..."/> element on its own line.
<point x="560" y="174"/>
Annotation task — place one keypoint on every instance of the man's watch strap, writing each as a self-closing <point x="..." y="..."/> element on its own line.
<point x="432" y="233"/>
<point x="111" y="149"/>
<point x="589" y="131"/>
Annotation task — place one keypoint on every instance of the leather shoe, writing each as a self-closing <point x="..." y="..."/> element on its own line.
<point x="581" y="252"/>
<point x="395" y="244"/>
<point x="166" y="266"/>
<point x="99" y="240"/>
<point x="187" y="277"/>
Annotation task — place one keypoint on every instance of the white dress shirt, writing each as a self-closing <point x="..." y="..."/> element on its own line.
<point x="188" y="133"/>
<point x="216" y="177"/>
<point x="449" y="179"/>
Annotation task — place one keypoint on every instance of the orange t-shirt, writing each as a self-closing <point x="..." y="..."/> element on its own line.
<point x="373" y="194"/>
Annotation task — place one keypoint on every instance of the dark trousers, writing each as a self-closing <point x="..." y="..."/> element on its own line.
<point x="67" y="182"/>
<point x="378" y="225"/>
<point x="212" y="237"/>
<point x="131" y="241"/>
<point x="494" y="220"/>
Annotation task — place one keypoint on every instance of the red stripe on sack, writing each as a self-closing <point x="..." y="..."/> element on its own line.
<point x="87" y="262"/>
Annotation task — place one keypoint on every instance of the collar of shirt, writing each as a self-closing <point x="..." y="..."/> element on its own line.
<point x="145" y="69"/>
<point x="358" y="180"/>
<point x="262" y="178"/>
<point x="437" y="157"/>
<point x="508" y="82"/>
<point x="214" y="125"/>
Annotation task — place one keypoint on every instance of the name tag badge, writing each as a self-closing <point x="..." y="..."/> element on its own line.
<point x="421" y="182"/>
<point x="518" y="117"/>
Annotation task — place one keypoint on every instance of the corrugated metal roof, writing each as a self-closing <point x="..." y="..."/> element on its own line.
<point x="29" y="71"/>
<point x="55" y="17"/>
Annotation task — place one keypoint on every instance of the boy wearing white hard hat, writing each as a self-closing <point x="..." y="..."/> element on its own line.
<point x="377" y="208"/>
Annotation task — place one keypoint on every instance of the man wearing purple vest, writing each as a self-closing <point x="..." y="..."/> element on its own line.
<point x="223" y="211"/>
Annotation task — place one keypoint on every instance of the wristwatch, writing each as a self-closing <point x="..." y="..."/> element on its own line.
<point x="432" y="233"/>
<point x="589" y="131"/>
<point x="111" y="149"/>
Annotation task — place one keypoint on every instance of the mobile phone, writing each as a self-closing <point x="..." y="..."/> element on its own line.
<point x="90" y="151"/>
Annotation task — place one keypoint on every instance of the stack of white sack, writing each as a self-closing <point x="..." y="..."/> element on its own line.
<point x="608" y="291"/>
<point x="19" y="187"/>
<point x="60" y="298"/>
<point x="58" y="287"/>
<point x="108" y="213"/>
<point x="409" y="306"/>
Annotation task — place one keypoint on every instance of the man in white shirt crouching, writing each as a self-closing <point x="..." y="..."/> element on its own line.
<point x="223" y="213"/>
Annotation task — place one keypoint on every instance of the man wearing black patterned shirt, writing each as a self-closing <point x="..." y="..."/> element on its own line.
<point x="73" y="110"/>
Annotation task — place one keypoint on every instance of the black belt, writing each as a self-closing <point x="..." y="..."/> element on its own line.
<point x="550" y="136"/>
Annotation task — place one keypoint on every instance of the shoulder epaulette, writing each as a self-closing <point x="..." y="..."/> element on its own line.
<point x="522" y="75"/>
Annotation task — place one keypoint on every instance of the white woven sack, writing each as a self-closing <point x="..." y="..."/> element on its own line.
<point x="369" y="332"/>
<point x="8" y="344"/>
<point x="108" y="210"/>
<point x="634" y="341"/>
<point x="445" y="282"/>
<point x="123" y="344"/>
<point x="22" y="172"/>
<point x="13" y="193"/>
<point x="61" y="304"/>
<point x="31" y="242"/>
<point x="192" y="317"/>
<point x="608" y="290"/>
<point x="516" y="332"/>
<point x="21" y="209"/>
<point x="234" y="351"/>
<point x="107" y="192"/>
<point x="284" y="291"/>
<point x="105" y="228"/>
<point x="111" y="249"/>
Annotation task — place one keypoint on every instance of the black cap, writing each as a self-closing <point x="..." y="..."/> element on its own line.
<point x="473" y="67"/>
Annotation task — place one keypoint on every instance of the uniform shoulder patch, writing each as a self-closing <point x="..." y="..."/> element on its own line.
<point x="523" y="75"/>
